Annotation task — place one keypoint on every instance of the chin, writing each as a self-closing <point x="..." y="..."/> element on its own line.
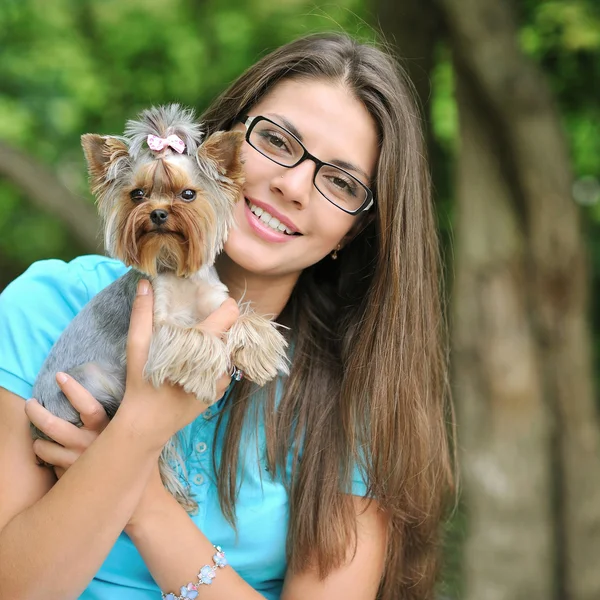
<point x="252" y="263"/>
<point x="255" y="256"/>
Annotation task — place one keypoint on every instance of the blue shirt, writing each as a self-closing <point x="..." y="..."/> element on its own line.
<point x="34" y="310"/>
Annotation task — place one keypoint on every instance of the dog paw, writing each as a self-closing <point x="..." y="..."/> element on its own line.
<point x="190" y="358"/>
<point x="256" y="346"/>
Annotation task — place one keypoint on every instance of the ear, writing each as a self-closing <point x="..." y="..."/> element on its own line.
<point x="223" y="149"/>
<point x="102" y="153"/>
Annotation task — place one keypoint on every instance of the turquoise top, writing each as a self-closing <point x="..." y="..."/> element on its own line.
<point x="34" y="310"/>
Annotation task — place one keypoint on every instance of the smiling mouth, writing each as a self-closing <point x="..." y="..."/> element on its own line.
<point x="270" y="221"/>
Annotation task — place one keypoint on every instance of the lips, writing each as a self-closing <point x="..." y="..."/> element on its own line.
<point x="265" y="231"/>
<point x="289" y="226"/>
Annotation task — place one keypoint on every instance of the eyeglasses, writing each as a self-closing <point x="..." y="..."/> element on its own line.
<point x="282" y="147"/>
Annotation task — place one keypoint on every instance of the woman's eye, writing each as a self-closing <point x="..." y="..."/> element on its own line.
<point x="188" y="195"/>
<point x="137" y="194"/>
<point x="344" y="185"/>
<point x="275" y="140"/>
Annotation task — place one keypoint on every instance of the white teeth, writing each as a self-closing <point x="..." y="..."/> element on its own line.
<point x="269" y="220"/>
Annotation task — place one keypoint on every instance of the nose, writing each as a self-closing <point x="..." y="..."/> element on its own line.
<point x="159" y="216"/>
<point x="296" y="184"/>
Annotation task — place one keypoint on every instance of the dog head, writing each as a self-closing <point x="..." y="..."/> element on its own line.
<point x="165" y="193"/>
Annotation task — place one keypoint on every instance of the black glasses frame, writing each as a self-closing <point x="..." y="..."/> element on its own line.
<point x="251" y="122"/>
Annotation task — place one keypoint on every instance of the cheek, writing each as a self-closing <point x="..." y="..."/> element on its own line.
<point x="257" y="169"/>
<point x="331" y="225"/>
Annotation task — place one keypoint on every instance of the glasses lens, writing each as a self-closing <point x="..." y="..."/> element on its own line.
<point x="341" y="188"/>
<point x="276" y="143"/>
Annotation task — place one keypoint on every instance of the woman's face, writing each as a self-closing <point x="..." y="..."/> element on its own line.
<point x="333" y="126"/>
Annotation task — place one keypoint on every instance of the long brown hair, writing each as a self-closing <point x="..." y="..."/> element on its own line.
<point x="368" y="384"/>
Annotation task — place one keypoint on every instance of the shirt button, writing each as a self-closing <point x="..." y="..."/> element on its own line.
<point x="198" y="479"/>
<point x="207" y="414"/>
<point x="201" y="447"/>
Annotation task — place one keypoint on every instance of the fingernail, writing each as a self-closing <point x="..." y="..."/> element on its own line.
<point x="143" y="287"/>
<point x="61" y="378"/>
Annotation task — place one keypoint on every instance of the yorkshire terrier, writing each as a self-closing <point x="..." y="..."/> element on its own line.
<point x="166" y="196"/>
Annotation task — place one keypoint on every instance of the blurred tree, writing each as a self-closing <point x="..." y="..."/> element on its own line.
<point x="521" y="336"/>
<point x="46" y="192"/>
<point x="522" y="348"/>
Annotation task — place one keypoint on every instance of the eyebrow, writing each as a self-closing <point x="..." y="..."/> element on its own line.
<point x="343" y="164"/>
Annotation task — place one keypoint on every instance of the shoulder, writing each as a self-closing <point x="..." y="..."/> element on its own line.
<point x="37" y="306"/>
<point x="84" y="277"/>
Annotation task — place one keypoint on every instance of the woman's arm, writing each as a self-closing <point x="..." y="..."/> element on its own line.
<point x="359" y="578"/>
<point x="174" y="550"/>
<point x="52" y="541"/>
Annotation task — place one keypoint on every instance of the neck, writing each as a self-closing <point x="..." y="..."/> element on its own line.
<point x="268" y="294"/>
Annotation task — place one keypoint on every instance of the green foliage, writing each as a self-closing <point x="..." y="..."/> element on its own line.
<point x="564" y="37"/>
<point x="77" y="66"/>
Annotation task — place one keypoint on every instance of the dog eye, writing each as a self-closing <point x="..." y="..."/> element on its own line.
<point x="136" y="194"/>
<point x="188" y="195"/>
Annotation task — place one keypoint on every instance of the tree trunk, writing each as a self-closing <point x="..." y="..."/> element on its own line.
<point x="41" y="187"/>
<point x="504" y="424"/>
<point x="525" y="391"/>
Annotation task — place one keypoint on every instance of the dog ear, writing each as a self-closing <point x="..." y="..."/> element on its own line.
<point x="104" y="155"/>
<point x="224" y="150"/>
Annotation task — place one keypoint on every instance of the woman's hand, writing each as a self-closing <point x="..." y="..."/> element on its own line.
<point x="70" y="441"/>
<point x="169" y="406"/>
<point x="156" y="414"/>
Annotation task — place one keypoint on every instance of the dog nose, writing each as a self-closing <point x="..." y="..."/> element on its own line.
<point x="159" y="216"/>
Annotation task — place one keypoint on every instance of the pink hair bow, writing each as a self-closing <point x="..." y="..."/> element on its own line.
<point x="157" y="143"/>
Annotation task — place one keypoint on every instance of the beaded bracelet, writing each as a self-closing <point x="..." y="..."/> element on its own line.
<point x="205" y="577"/>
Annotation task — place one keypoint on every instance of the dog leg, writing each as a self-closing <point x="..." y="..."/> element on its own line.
<point x="188" y="357"/>
<point x="256" y="346"/>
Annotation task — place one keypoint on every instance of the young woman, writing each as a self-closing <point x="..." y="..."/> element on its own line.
<point x="327" y="484"/>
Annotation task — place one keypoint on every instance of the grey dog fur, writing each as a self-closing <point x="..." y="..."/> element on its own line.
<point x="92" y="351"/>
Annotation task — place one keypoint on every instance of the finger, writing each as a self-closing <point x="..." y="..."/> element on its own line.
<point x="92" y="413"/>
<point x="54" y="427"/>
<point x="221" y="320"/>
<point x="140" y="328"/>
<point x="55" y="454"/>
